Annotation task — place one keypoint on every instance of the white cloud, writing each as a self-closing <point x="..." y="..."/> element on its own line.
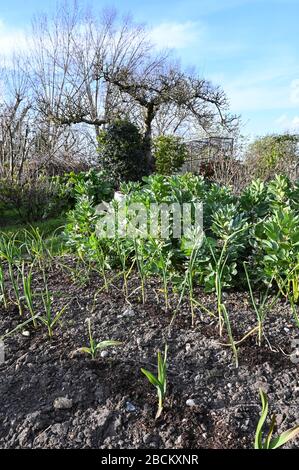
<point x="294" y="95"/>
<point x="288" y="123"/>
<point x="282" y="119"/>
<point x="295" y="122"/>
<point x="176" y="35"/>
<point x="261" y="86"/>
<point x="11" y="39"/>
<point x="256" y="98"/>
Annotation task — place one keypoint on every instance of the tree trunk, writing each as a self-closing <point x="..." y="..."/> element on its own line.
<point x="150" y="114"/>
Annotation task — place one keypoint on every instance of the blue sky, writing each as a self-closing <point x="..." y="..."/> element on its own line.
<point x="249" y="47"/>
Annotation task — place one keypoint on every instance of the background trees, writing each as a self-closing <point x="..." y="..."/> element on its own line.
<point x="81" y="72"/>
<point x="277" y="153"/>
<point x="15" y="110"/>
<point x="157" y="85"/>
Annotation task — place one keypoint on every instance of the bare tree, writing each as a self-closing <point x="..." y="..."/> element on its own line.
<point x="156" y="85"/>
<point x="29" y="143"/>
<point x="15" y="109"/>
<point x="71" y="52"/>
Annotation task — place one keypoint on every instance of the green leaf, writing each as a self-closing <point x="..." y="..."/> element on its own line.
<point x="268" y="439"/>
<point x="152" y="379"/>
<point x="284" y="438"/>
<point x="85" y="350"/>
<point x="107" y="344"/>
<point x="59" y="314"/>
<point x="259" y="430"/>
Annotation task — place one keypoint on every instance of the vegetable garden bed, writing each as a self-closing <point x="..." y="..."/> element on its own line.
<point x="83" y="316"/>
<point x="209" y="404"/>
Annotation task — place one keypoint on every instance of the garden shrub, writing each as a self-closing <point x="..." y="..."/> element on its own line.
<point x="122" y="153"/>
<point x="34" y="198"/>
<point x="81" y="224"/>
<point x="277" y="250"/>
<point x="94" y="184"/>
<point x="170" y="153"/>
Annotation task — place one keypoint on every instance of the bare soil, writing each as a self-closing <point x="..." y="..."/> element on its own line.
<point x="210" y="403"/>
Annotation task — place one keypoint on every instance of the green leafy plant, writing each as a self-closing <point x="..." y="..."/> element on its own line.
<point x="160" y="382"/>
<point x="227" y="243"/>
<point x="277" y="253"/>
<point x="230" y="229"/>
<point x="81" y="224"/>
<point x="97" y="185"/>
<point x="254" y="200"/>
<point x="95" y="347"/>
<point x="269" y="442"/>
<point x="170" y="153"/>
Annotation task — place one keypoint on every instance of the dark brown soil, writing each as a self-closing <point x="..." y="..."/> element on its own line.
<point x="112" y="404"/>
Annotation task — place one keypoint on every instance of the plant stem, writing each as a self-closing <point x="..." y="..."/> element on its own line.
<point x="230" y="335"/>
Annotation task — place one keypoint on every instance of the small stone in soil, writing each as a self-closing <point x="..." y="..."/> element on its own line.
<point x="62" y="403"/>
<point x="130" y="407"/>
<point x="128" y="312"/>
<point x="190" y="403"/>
<point x="104" y="354"/>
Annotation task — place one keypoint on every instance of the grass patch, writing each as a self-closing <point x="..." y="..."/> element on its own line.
<point x="47" y="227"/>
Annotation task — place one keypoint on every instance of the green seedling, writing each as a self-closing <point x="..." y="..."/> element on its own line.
<point x="50" y="320"/>
<point x="10" y="252"/>
<point x="160" y="256"/>
<point x="192" y="253"/>
<point x="160" y="382"/>
<point x="15" y="284"/>
<point x="123" y="253"/>
<point x="223" y="315"/>
<point x="95" y="347"/>
<point x="100" y="256"/>
<point x="141" y="266"/>
<point x="18" y="328"/>
<point x="269" y="442"/>
<point x="35" y="246"/>
<point x="262" y="307"/>
<point x="2" y="288"/>
<point x="26" y="280"/>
